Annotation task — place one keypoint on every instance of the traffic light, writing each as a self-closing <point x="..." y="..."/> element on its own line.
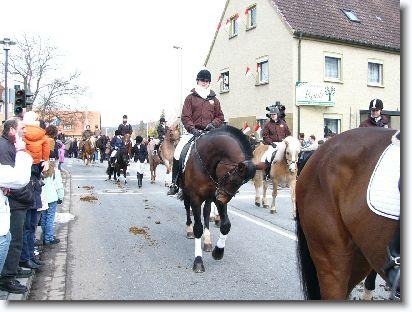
<point x="20" y="98"/>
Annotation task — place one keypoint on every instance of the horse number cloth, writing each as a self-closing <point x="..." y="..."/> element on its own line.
<point x="383" y="195"/>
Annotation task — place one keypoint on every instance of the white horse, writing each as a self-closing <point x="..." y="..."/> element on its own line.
<point x="283" y="169"/>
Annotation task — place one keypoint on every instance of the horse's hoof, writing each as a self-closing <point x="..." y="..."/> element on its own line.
<point x="212" y="219"/>
<point x="217" y="223"/>
<point x="257" y="204"/>
<point x="217" y="253"/>
<point x="198" y="266"/>
<point x="273" y="211"/>
<point x="207" y="247"/>
<point x="190" y="235"/>
<point x="294" y="218"/>
<point x="265" y="206"/>
<point x="152" y="182"/>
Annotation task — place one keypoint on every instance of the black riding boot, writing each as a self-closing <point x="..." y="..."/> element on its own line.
<point x="392" y="265"/>
<point x="267" y="171"/>
<point x="174" y="189"/>
<point x="139" y="179"/>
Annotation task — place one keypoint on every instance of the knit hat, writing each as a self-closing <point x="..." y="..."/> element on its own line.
<point x="204" y="74"/>
<point x="29" y="118"/>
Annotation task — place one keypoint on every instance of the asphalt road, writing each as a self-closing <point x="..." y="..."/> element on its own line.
<point x="107" y="261"/>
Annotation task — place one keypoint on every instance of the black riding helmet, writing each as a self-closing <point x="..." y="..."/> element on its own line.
<point x="139" y="139"/>
<point x="376" y="104"/>
<point x="162" y="120"/>
<point x="205" y="75"/>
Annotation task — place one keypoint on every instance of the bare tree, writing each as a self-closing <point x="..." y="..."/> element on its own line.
<point x="34" y="63"/>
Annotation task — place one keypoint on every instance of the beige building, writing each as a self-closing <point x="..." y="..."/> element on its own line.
<point x="323" y="60"/>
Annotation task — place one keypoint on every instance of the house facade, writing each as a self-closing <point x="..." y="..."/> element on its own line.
<point x="323" y="60"/>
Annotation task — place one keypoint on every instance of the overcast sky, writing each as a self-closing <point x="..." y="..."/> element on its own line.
<point x="123" y="49"/>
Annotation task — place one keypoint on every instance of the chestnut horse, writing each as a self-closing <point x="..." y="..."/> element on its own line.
<point x="284" y="169"/>
<point x="89" y="148"/>
<point x="166" y="150"/>
<point x="340" y="240"/>
<point x="219" y="163"/>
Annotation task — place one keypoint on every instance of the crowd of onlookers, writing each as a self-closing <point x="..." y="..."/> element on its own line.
<point x="31" y="155"/>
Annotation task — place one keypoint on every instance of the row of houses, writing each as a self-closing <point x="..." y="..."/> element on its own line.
<point x="324" y="60"/>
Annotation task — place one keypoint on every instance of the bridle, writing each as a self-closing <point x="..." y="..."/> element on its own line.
<point x="220" y="185"/>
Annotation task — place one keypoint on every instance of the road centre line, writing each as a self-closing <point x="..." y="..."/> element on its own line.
<point x="272" y="228"/>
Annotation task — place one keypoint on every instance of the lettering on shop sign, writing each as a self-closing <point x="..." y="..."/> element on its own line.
<point x="315" y="94"/>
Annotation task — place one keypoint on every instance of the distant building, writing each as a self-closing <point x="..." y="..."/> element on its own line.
<point x="323" y="60"/>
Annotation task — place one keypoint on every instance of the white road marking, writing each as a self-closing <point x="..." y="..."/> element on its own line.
<point x="116" y="193"/>
<point x="253" y="196"/>
<point x="272" y="228"/>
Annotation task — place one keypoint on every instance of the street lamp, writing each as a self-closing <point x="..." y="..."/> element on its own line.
<point x="6" y="42"/>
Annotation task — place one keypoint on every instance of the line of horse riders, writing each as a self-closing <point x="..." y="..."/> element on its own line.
<point x="212" y="161"/>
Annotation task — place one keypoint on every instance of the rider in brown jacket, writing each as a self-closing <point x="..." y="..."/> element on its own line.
<point x="201" y="112"/>
<point x="275" y="131"/>
<point x="376" y="119"/>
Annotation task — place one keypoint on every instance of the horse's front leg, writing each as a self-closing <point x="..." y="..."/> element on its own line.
<point x="225" y="225"/>
<point x="189" y="225"/>
<point x="207" y="243"/>
<point x="264" y="197"/>
<point x="258" y="183"/>
<point x="198" y="266"/>
<point x="274" y="195"/>
<point x="125" y="175"/>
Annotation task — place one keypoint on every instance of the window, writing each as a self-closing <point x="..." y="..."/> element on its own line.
<point x="234" y="27"/>
<point x="375" y="73"/>
<point x="332" y="126"/>
<point x="224" y="82"/>
<point x="333" y="68"/>
<point x="351" y="15"/>
<point x="251" y="17"/>
<point x="67" y="127"/>
<point x="263" y="72"/>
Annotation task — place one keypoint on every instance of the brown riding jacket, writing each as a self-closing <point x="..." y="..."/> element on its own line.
<point x="198" y="112"/>
<point x="370" y="122"/>
<point x="275" y="131"/>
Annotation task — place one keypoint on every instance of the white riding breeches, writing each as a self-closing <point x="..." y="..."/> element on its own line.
<point x="267" y="156"/>
<point x="140" y="167"/>
<point x="183" y="140"/>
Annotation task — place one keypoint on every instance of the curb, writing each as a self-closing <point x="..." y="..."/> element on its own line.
<point x="62" y="234"/>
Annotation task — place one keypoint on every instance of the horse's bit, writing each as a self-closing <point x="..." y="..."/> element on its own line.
<point x="220" y="184"/>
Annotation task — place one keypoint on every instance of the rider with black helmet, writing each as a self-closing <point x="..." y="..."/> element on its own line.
<point x="161" y="132"/>
<point x="201" y="112"/>
<point x="125" y="128"/>
<point x="376" y="119"/>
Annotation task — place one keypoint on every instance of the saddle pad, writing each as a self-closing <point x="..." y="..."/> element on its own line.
<point x="185" y="154"/>
<point x="383" y="195"/>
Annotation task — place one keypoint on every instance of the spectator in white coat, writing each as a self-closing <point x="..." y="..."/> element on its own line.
<point x="12" y="178"/>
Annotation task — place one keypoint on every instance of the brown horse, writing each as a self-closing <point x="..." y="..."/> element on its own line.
<point x="284" y="169"/>
<point x="166" y="150"/>
<point x="128" y="144"/>
<point x="339" y="238"/>
<point x="218" y="164"/>
<point x="89" y="148"/>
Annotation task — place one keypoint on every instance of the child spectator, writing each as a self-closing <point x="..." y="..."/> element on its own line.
<point x="54" y="193"/>
<point x="61" y="147"/>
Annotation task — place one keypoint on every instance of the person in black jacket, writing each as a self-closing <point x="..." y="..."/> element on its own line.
<point x="139" y="153"/>
<point x="20" y="201"/>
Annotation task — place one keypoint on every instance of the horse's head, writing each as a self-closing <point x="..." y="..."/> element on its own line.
<point x="231" y="177"/>
<point x="173" y="133"/>
<point x="123" y="156"/>
<point x="292" y="150"/>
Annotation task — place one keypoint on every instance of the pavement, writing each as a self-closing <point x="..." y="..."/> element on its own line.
<point x="54" y="258"/>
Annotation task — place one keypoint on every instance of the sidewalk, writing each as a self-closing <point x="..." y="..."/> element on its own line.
<point x="54" y="258"/>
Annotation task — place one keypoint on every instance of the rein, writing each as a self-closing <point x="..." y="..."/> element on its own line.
<point x="219" y="185"/>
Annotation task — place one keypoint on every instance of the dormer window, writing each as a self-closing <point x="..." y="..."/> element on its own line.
<point x="351" y="15"/>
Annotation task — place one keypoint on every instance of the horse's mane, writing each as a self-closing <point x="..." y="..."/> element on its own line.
<point x="238" y="135"/>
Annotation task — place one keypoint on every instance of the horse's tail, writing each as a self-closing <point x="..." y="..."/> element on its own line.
<point x="307" y="269"/>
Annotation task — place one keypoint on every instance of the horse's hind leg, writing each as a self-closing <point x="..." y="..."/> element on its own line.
<point x="198" y="266"/>
<point x="258" y="183"/>
<point x="189" y="226"/>
<point x="225" y="225"/>
<point x="207" y="243"/>
<point x="369" y="286"/>
<point x="292" y="183"/>
<point x="264" y="197"/>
